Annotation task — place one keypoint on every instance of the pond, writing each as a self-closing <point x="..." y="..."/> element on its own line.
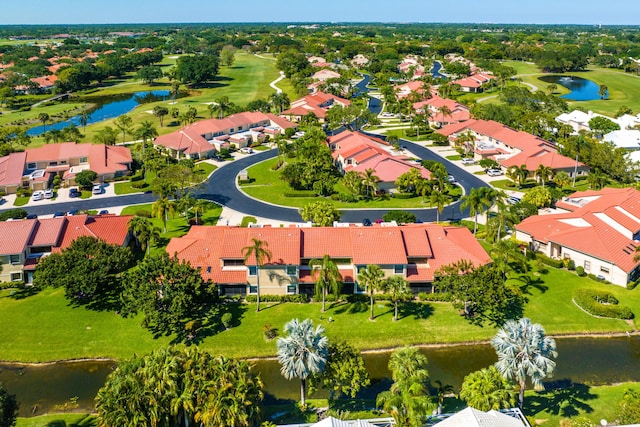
<point x="592" y="361"/>
<point x="581" y="89"/>
<point x="107" y="107"/>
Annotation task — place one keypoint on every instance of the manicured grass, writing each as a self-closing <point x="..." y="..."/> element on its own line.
<point x="268" y="186"/>
<point x="59" y="420"/>
<point x="57" y="112"/>
<point x="45" y="327"/>
<point x="21" y="201"/>
<point x="624" y="88"/>
<point x="203" y="169"/>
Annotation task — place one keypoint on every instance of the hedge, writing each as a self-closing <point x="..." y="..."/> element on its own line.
<point x="13" y="213"/>
<point x="300" y="298"/>
<point x="557" y="263"/>
<point x="403" y="195"/>
<point x="307" y="193"/>
<point x="602" y="304"/>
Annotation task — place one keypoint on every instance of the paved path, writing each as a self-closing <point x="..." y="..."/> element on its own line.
<point x="273" y="83"/>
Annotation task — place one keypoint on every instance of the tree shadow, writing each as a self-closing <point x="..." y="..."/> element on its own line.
<point x="207" y="322"/>
<point x="24" y="292"/>
<point x="353" y="307"/>
<point x="563" y="398"/>
<point x="528" y="283"/>
<point x="419" y="311"/>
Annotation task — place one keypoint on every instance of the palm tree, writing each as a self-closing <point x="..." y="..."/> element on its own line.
<point x="371" y="278"/>
<point x="328" y="277"/>
<point x="445" y="111"/>
<point x="280" y="101"/>
<point x="408" y="398"/>
<point x="162" y="208"/>
<point x="309" y="120"/>
<point x="124" y="123"/>
<point x="524" y="351"/>
<point x="552" y="88"/>
<point x="562" y="179"/>
<point x="44" y="118"/>
<point x="544" y="173"/>
<point x="476" y="201"/>
<point x="398" y="288"/>
<point x="467" y="141"/>
<point x="486" y="389"/>
<point x="442" y="390"/>
<point x="597" y="180"/>
<point x="370" y="181"/>
<point x="518" y="174"/>
<point x="603" y="90"/>
<point x="439" y="200"/>
<point x="222" y="107"/>
<point x="302" y="352"/>
<point x="146" y="131"/>
<point x="160" y="111"/>
<point x="199" y="207"/>
<point x="260" y="250"/>
<point x="144" y="232"/>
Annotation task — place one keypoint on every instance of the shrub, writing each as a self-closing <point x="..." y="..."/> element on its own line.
<point x="632" y="285"/>
<point x="226" y="319"/>
<point x="303" y="193"/>
<point x="12" y="285"/>
<point x="144" y="214"/>
<point x="269" y="332"/>
<point x="571" y="265"/>
<point x="580" y="271"/>
<point x="436" y="296"/>
<point x="556" y="263"/>
<point x="401" y="217"/>
<point x="298" y="298"/>
<point x="403" y="195"/>
<point x="245" y="181"/>
<point x="602" y="304"/>
<point x="139" y="184"/>
<point x="13" y="213"/>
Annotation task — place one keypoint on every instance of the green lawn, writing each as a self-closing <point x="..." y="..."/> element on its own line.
<point x="624" y="88"/>
<point x="45" y="327"/>
<point x="268" y="186"/>
<point x="203" y="169"/>
<point x="59" y="420"/>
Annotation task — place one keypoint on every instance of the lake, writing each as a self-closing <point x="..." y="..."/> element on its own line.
<point x="592" y="361"/>
<point x="581" y="89"/>
<point x="107" y="107"/>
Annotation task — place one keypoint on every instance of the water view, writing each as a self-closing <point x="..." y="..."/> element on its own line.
<point x="107" y="107"/>
<point x="435" y="71"/>
<point x="591" y="361"/>
<point x="581" y="89"/>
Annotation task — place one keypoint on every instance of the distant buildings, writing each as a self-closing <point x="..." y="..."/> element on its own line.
<point x="412" y="251"/>
<point x="317" y="104"/>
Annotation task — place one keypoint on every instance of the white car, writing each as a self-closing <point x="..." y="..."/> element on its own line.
<point x="97" y="189"/>
<point x="495" y="172"/>
<point x="246" y="150"/>
<point x="37" y="195"/>
<point x="469" y="161"/>
<point x="48" y="194"/>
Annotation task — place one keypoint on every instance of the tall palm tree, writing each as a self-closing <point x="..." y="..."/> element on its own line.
<point x="199" y="207"/>
<point x="260" y="250"/>
<point x="370" y="181"/>
<point x="309" y="120"/>
<point x="328" y="277"/>
<point x="524" y="351"/>
<point x="44" y="118"/>
<point x="302" y="352"/>
<point x="518" y="174"/>
<point x="467" y="141"/>
<point x="162" y="208"/>
<point x="445" y="111"/>
<point x="124" y="123"/>
<point x="439" y="200"/>
<point x="562" y="179"/>
<point x="222" y="107"/>
<point x="544" y="174"/>
<point x="442" y="390"/>
<point x="398" y="288"/>
<point x="144" y="232"/>
<point x="408" y="398"/>
<point x="280" y="101"/>
<point x="146" y="131"/>
<point x="371" y="278"/>
<point x="476" y="201"/>
<point x="486" y="389"/>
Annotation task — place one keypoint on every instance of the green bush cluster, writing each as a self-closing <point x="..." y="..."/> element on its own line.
<point x="403" y="195"/>
<point x="556" y="263"/>
<point x="245" y="181"/>
<point x="580" y="271"/>
<point x="139" y="184"/>
<point x="436" y="296"/>
<point x="345" y="197"/>
<point x="143" y="214"/>
<point x="12" y="285"/>
<point x="303" y="193"/>
<point x="299" y="298"/>
<point x="601" y="304"/>
<point x="13" y="213"/>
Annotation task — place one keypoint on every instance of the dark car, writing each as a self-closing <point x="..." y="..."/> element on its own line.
<point x="103" y="212"/>
<point x="58" y="214"/>
<point x="32" y="216"/>
<point x="366" y="222"/>
<point x="73" y="192"/>
<point x="73" y="212"/>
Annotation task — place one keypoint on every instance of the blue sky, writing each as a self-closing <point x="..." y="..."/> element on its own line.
<point x="608" y="12"/>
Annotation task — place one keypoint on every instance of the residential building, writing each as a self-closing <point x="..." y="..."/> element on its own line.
<point x="410" y="65"/>
<point x="475" y="83"/>
<point x="317" y="104"/>
<point x="359" y="61"/>
<point x="434" y="106"/>
<point x="412" y="251"/>
<point x="35" y="168"/>
<point x="510" y="147"/>
<point x="598" y="230"/>
<point x="25" y="241"/>
<point x="205" y="138"/>
<point x="628" y="139"/>
<point x="471" y="417"/>
<point x="354" y="151"/>
<point x="415" y="86"/>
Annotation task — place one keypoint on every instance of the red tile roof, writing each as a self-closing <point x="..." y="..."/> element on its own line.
<point x="11" y="168"/>
<point x="206" y="246"/>
<point x="317" y="103"/>
<point x="15" y="235"/>
<point x="113" y="229"/>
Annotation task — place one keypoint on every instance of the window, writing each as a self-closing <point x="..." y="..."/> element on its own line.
<point x="587" y="266"/>
<point x="14" y="258"/>
<point x="209" y="269"/>
<point x="292" y="270"/>
<point x="84" y="159"/>
<point x="398" y="269"/>
<point x="232" y="262"/>
<point x="360" y="268"/>
<point x="16" y="276"/>
<point x="253" y="270"/>
<point x="604" y="270"/>
<point x="53" y="163"/>
<point x="253" y="289"/>
<point x="291" y="289"/>
<point x="31" y="165"/>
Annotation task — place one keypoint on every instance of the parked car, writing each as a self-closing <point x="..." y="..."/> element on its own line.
<point x="32" y="216"/>
<point x="495" y="172"/>
<point x="366" y="222"/>
<point x="451" y="179"/>
<point x="37" y="195"/>
<point x="48" y="194"/>
<point x="58" y="214"/>
<point x="72" y="212"/>
<point x="103" y="212"/>
<point x="73" y="192"/>
<point x="97" y="189"/>
<point x="246" y="150"/>
<point x="469" y="161"/>
<point x="513" y="200"/>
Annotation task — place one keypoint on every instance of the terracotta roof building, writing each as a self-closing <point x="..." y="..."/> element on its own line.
<point x="412" y="251"/>
<point x="510" y="147"/>
<point x="35" y="167"/>
<point x="25" y="241"/>
<point x="318" y="104"/>
<point x="434" y="105"/>
<point x="204" y="138"/>
<point x="474" y="83"/>
<point x="598" y="230"/>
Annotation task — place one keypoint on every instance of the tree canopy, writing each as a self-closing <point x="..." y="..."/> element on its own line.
<point x="198" y="69"/>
